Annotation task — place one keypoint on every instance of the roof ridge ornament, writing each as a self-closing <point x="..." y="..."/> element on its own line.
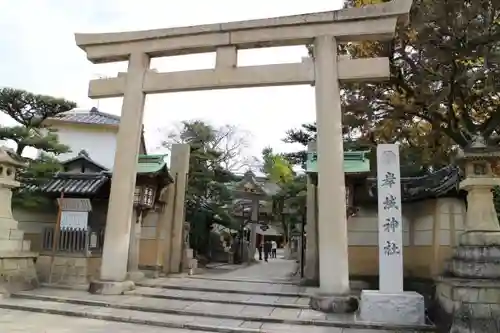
<point x="478" y="141"/>
<point x="83" y="152"/>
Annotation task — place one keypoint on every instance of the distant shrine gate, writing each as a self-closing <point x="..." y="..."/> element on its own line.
<point x="324" y="30"/>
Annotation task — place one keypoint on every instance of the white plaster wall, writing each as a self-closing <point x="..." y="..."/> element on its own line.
<point x="453" y="216"/>
<point x="451" y="212"/>
<point x="363" y="228"/>
<point x="423" y="220"/>
<point x="33" y="222"/>
<point x="99" y="145"/>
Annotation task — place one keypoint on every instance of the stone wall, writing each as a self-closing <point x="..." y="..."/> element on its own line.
<point x="65" y="269"/>
<point x="71" y="268"/>
<point x="34" y="222"/>
<point x="477" y="299"/>
<point x="17" y="273"/>
<point x="430" y="231"/>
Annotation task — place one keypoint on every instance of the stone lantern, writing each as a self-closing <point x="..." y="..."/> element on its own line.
<point x="17" y="270"/>
<point x="474" y="269"/>
<point x="144" y="200"/>
<point x="480" y="165"/>
<point x="9" y="163"/>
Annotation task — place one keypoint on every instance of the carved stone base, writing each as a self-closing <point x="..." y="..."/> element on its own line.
<point x="111" y="287"/>
<point x="309" y="282"/>
<point x="470" y="293"/>
<point x="475" y="269"/>
<point x="405" y="308"/>
<point x="17" y="272"/>
<point x="482" y="238"/>
<point x="334" y="303"/>
<point x="472" y="305"/>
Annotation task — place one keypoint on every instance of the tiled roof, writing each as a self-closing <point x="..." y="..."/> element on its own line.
<point x="151" y="164"/>
<point x="146" y="164"/>
<point x="71" y="183"/>
<point x="440" y="183"/>
<point x="83" y="155"/>
<point x="260" y="186"/>
<point x="90" y="183"/>
<point x="92" y="116"/>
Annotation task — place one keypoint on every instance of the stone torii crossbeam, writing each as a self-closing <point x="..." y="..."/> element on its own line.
<point x="324" y="30"/>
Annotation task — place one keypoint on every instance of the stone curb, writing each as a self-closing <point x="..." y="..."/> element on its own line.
<point x="270" y="320"/>
<point x="226" y="291"/>
<point x="82" y="314"/>
<point x="65" y="287"/>
<point x="194" y="299"/>
<point x="243" y="280"/>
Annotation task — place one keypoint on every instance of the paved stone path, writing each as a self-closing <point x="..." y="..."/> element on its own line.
<point x="12" y="321"/>
<point x="209" y="303"/>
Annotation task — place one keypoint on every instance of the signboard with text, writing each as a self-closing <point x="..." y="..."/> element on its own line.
<point x="74" y="220"/>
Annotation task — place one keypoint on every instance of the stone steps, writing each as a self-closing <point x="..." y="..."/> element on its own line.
<point x="221" y="290"/>
<point x="239" y="286"/>
<point x="201" y="316"/>
<point x="223" y="298"/>
<point x="281" y="281"/>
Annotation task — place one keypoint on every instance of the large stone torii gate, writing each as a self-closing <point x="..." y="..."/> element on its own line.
<point x="324" y="30"/>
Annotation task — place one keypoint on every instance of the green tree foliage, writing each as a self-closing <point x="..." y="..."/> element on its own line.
<point x="445" y="73"/>
<point x="277" y="168"/>
<point x="291" y="197"/>
<point x="445" y="70"/>
<point x="29" y="111"/>
<point x="207" y="196"/>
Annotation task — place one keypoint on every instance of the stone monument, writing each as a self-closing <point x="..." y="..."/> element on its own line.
<point x="17" y="268"/>
<point x="390" y="304"/>
<point x="189" y="263"/>
<point x="469" y="291"/>
<point x="249" y="189"/>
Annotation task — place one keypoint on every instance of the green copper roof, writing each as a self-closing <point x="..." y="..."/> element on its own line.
<point x="354" y="162"/>
<point x="151" y="164"/>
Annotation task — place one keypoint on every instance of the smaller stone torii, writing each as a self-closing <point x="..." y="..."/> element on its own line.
<point x="324" y="30"/>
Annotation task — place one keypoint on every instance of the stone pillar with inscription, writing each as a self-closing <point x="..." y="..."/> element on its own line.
<point x="390" y="304"/>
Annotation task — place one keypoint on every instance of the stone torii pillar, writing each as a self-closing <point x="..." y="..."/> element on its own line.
<point x="120" y="209"/>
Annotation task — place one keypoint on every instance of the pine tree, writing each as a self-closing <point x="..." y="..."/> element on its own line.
<point x="29" y="111"/>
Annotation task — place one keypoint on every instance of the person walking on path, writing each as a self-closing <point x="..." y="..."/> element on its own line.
<point x="274" y="248"/>
<point x="267" y="250"/>
<point x="260" y="248"/>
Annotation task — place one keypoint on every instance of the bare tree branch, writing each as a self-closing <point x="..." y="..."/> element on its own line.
<point x="231" y="142"/>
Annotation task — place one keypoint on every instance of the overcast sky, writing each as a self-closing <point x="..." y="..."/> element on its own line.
<point x="39" y="54"/>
